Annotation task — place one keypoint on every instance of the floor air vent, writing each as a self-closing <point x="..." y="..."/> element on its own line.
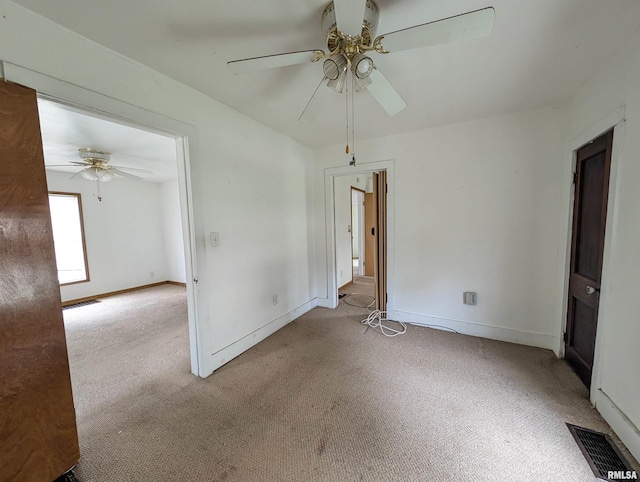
<point x="83" y="303"/>
<point x="601" y="453"/>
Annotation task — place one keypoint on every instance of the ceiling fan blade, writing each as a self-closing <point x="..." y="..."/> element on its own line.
<point x="79" y="163"/>
<point x="315" y="104"/>
<point x="59" y="165"/>
<point x="273" y="61"/>
<point x="124" y="174"/>
<point x="385" y="94"/>
<point x="124" y="168"/>
<point x="349" y="16"/>
<point x="471" y="25"/>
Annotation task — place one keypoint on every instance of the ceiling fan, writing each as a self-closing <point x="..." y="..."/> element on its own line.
<point x="95" y="167"/>
<point x="350" y="29"/>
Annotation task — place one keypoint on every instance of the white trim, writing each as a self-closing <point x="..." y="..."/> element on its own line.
<point x="623" y="427"/>
<point x="74" y="97"/>
<point x="189" y="245"/>
<point x="597" y="129"/>
<point x="228" y="353"/>
<point x="359" y="229"/>
<point x="324" y="303"/>
<point x="571" y="147"/>
<point x="619" y="422"/>
<point x="610" y="234"/>
<point x="522" y="337"/>
<point x="329" y="175"/>
<point x="564" y="261"/>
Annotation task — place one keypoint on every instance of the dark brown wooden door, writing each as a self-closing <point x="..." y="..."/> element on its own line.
<point x="38" y="437"/>
<point x="593" y="165"/>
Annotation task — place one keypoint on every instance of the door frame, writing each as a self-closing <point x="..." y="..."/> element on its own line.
<point x="185" y="135"/>
<point x="615" y="121"/>
<point x="359" y="228"/>
<point x="332" y="279"/>
<point x="598" y="148"/>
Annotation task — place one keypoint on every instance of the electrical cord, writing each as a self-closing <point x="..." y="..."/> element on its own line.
<point x="375" y="319"/>
<point x="373" y="300"/>
<point x="378" y="314"/>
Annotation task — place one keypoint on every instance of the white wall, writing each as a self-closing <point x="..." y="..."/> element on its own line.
<point x="616" y="385"/>
<point x="123" y="233"/>
<point x="476" y="209"/>
<point x="172" y="231"/>
<point x="249" y="183"/>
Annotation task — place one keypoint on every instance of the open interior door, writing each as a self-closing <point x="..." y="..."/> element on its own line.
<point x="380" y="244"/>
<point x="38" y="435"/>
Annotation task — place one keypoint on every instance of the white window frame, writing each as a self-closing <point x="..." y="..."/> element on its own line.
<point x="78" y="198"/>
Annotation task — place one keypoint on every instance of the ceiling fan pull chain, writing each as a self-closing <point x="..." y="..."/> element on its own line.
<point x="353" y="119"/>
<point x="98" y="188"/>
<point x="346" y="111"/>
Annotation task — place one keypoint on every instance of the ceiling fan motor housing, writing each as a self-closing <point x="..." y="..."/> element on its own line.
<point x="338" y="41"/>
<point x="88" y="154"/>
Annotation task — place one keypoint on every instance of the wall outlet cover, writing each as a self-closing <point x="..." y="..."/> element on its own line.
<point x="470" y="298"/>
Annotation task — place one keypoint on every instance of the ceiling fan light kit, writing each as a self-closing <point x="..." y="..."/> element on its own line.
<point x="95" y="174"/>
<point x="350" y="28"/>
<point x="95" y="167"/>
<point x="97" y="171"/>
<point x="335" y="69"/>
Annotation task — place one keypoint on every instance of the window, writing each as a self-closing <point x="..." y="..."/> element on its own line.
<point x="68" y="237"/>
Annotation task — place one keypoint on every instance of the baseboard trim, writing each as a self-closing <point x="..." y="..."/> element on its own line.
<point x="511" y="335"/>
<point x="176" y="283"/>
<point x="619" y="422"/>
<point x="228" y="353"/>
<point x="346" y="285"/>
<point x="323" y="302"/>
<point x="120" y="292"/>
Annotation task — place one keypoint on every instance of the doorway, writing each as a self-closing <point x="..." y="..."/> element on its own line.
<point x="134" y="223"/>
<point x="591" y="179"/>
<point x="73" y="97"/>
<point x="383" y="229"/>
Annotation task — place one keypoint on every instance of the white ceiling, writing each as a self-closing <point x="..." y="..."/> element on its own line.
<point x="65" y="130"/>
<point x="539" y="52"/>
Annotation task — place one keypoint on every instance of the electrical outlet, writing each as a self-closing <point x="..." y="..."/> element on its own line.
<point x="470" y="298"/>
<point x="151" y="274"/>
<point x="275" y="299"/>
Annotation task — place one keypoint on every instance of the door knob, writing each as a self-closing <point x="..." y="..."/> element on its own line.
<point x="591" y="290"/>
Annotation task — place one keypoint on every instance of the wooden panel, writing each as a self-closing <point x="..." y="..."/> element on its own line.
<point x="38" y="436"/>
<point x="380" y="195"/>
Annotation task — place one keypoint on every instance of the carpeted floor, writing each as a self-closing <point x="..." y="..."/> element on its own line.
<point x="323" y="399"/>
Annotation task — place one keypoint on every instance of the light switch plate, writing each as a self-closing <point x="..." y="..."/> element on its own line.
<point x="214" y="239"/>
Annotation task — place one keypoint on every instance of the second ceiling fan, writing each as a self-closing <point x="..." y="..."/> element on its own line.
<point x="350" y="28"/>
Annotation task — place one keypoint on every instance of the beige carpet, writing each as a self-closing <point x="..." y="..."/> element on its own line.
<point x="323" y="399"/>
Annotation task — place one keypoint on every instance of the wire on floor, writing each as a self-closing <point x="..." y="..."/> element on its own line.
<point x="373" y="300"/>
<point x="375" y="319"/>
<point x="345" y="298"/>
